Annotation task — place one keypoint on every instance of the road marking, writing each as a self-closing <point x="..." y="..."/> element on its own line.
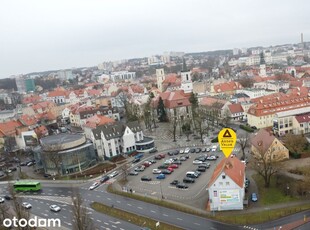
<point x="99" y="221"/>
<point x="45" y="214"/>
<point x="118" y="201"/>
<point x="108" y="198"/>
<point x="69" y="224"/>
<point x="197" y="224"/>
<point x="153" y="211"/>
<point x="179" y="219"/>
<point x="114" y="226"/>
<point x="98" y="196"/>
<point x="92" y="218"/>
<point x="165" y="215"/>
<point x="129" y="204"/>
<point x="106" y="223"/>
<point x="140" y="208"/>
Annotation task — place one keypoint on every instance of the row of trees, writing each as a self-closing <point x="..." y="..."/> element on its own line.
<point x="80" y="218"/>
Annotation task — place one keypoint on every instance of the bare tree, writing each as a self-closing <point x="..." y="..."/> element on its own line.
<point x="82" y="220"/>
<point x="124" y="169"/>
<point x="52" y="157"/>
<point x="243" y="142"/>
<point x="19" y="211"/>
<point x="295" y="143"/>
<point x="200" y="125"/>
<point x="4" y="213"/>
<point x="265" y="165"/>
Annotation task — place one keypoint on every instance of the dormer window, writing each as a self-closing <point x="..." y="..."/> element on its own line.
<point x="224" y="176"/>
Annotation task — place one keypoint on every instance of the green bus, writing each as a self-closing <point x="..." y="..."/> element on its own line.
<point x="27" y="186"/>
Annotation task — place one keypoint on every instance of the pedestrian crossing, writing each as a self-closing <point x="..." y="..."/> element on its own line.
<point x="66" y="200"/>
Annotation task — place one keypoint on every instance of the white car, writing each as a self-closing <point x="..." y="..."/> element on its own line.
<point x="197" y="162"/>
<point x="187" y="150"/>
<point x="94" y="185"/>
<point x="55" y="208"/>
<point x="113" y="174"/>
<point x="1" y="200"/>
<point x="181" y="151"/>
<point x="156" y="171"/>
<point x="26" y="205"/>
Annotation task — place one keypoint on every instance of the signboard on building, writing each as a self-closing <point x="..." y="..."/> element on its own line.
<point x="30" y="140"/>
<point x="228" y="196"/>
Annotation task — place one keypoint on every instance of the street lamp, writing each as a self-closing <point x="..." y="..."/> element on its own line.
<point x="161" y="190"/>
<point x="287" y="189"/>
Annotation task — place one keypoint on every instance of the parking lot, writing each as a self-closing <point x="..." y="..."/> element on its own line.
<point x="162" y="187"/>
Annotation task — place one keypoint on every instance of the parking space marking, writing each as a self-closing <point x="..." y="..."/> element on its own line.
<point x="140" y="208"/>
<point x="179" y="218"/>
<point x="197" y="224"/>
<point x="165" y="214"/>
<point x="153" y="211"/>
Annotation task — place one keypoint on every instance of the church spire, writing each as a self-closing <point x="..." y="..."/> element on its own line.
<point x="184" y="67"/>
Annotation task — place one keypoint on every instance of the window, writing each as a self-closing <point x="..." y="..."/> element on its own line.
<point x="227" y="183"/>
<point x="221" y="183"/>
<point x="223" y="176"/>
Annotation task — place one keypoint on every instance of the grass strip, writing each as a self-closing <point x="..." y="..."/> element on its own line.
<point x="230" y="217"/>
<point x="131" y="217"/>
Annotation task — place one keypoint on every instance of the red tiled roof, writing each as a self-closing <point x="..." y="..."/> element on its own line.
<point x="171" y="78"/>
<point x="9" y="128"/>
<point x="279" y="102"/>
<point x="57" y="93"/>
<point x="28" y="120"/>
<point x="227" y="86"/>
<point x="235" y="108"/>
<point x="301" y="118"/>
<point x="173" y="99"/>
<point x="233" y="168"/>
<point x="31" y="99"/>
<point x="41" y="130"/>
<point x="210" y="101"/>
<point x="263" y="140"/>
<point x="94" y="92"/>
<point x="97" y="120"/>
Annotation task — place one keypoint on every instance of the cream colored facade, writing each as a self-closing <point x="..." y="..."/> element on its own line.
<point x="277" y="151"/>
<point x="260" y="121"/>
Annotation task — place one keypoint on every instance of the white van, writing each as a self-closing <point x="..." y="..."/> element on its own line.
<point x="192" y="174"/>
<point x="214" y="148"/>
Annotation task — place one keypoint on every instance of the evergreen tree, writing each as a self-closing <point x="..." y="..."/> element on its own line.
<point x="162" y="116"/>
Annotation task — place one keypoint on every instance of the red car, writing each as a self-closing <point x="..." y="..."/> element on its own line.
<point x="146" y="164"/>
<point x="174" y="166"/>
<point x="170" y="169"/>
<point x="162" y="155"/>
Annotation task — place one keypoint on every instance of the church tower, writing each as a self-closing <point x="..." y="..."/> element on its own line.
<point x="160" y="74"/>
<point x="186" y="79"/>
<point x="262" y="66"/>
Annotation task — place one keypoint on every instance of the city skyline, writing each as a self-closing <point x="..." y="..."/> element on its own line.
<point x="40" y="36"/>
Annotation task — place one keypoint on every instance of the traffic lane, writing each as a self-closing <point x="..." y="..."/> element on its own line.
<point x="285" y="220"/>
<point x="155" y="212"/>
<point x="40" y="207"/>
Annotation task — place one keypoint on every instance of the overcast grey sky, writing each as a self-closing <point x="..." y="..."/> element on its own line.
<point x="41" y="35"/>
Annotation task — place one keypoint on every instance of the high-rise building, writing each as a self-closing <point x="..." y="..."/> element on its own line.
<point x="24" y="84"/>
<point x="160" y="75"/>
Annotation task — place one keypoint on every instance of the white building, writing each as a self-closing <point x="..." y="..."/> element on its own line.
<point x="114" y="139"/>
<point x="122" y="75"/>
<point x="160" y="75"/>
<point x="226" y="187"/>
<point x="236" y="51"/>
<point x="186" y="81"/>
<point x="254" y="92"/>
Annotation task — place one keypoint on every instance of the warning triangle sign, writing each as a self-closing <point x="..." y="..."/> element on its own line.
<point x="227" y="133"/>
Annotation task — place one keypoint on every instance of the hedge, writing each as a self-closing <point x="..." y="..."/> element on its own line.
<point x="246" y="128"/>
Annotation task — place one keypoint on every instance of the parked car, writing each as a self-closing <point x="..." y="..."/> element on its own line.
<point x="157" y="157"/>
<point x="104" y="179"/>
<point x="203" y="150"/>
<point x="170" y="169"/>
<point x="133" y="173"/>
<point x="176" y="152"/>
<point x="183" y="158"/>
<point x="170" y="153"/>
<point x="198" y="150"/>
<point x="140" y="155"/>
<point x="7" y="197"/>
<point x="140" y="168"/>
<point x="156" y="171"/>
<point x="201" y="169"/>
<point x="153" y="161"/>
<point x="162" y="167"/>
<point x="94" y="185"/>
<point x="175" y="182"/>
<point x="204" y="165"/>
<point x="197" y="162"/>
<point x="174" y="166"/>
<point x="154" y="150"/>
<point x="26" y="205"/>
<point x="136" y="160"/>
<point x="55" y="208"/>
<point x="13" y="169"/>
<point x="187" y="150"/>
<point x="46" y="175"/>
<point x="162" y="155"/>
<point x="113" y="174"/>
<point x="181" y="151"/>
<point x="161" y="176"/>
<point x="188" y="180"/>
<point x="182" y="185"/>
<point x="146" y="163"/>
<point x="166" y="171"/>
<point x="1" y="200"/>
<point x="254" y="197"/>
<point x="211" y="158"/>
<point x="30" y="164"/>
<point x="208" y="149"/>
<point x="146" y="178"/>
<point x="192" y="150"/>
